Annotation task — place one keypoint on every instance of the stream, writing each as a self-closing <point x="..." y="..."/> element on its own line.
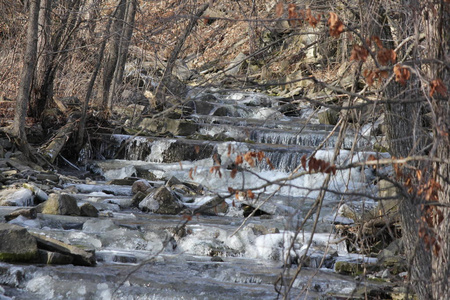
<point x="220" y="255"/>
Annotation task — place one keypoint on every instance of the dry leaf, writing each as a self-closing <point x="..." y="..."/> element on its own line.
<point x="402" y="74"/>
<point x="279" y="9"/>
<point x="377" y="41"/>
<point x="359" y="53"/>
<point x="336" y="26"/>
<point x="272" y="167"/>
<point x="438" y="86"/>
<point x="249" y="159"/>
<point x="293" y="17"/>
<point x="303" y="160"/>
<point x="311" y="19"/>
<point x="385" y="56"/>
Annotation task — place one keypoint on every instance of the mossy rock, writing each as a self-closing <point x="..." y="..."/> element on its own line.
<point x="21" y="245"/>
<point x="352" y="268"/>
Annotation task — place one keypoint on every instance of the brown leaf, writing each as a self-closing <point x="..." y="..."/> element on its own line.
<point x="248" y="158"/>
<point x="260" y="155"/>
<point x="385" y="56"/>
<point x="233" y="173"/>
<point x="369" y="75"/>
<point x="377" y="41"/>
<point x="239" y="160"/>
<point x="293" y="17"/>
<point x="311" y="19"/>
<point x="250" y="194"/>
<point x="312" y="165"/>
<point x="438" y="86"/>
<point x="303" y="160"/>
<point x="191" y="170"/>
<point x="359" y="53"/>
<point x="216" y="159"/>
<point x="336" y="25"/>
<point x="270" y="163"/>
<point x="279" y="9"/>
<point x="402" y="74"/>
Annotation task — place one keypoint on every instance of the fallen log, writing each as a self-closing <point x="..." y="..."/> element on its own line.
<point x="56" y="144"/>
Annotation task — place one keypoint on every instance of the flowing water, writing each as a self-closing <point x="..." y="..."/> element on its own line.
<point x="212" y="259"/>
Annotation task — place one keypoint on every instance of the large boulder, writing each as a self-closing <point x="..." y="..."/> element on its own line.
<point x="17" y="245"/>
<point x="161" y="201"/>
<point x="61" y="204"/>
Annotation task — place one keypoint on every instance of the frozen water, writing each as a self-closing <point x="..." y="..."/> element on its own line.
<point x="25" y="222"/>
<point x="44" y="286"/>
<point x="127" y="171"/>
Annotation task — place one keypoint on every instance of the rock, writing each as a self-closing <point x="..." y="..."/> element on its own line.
<point x="173" y="181"/>
<point x="16" y="197"/>
<point x="216" y="259"/>
<point x="348" y="268"/>
<point x="161" y="201"/>
<point x="132" y="111"/>
<point x="53" y="258"/>
<point x="17" y="244"/>
<point x="80" y="257"/>
<point x="137" y="198"/>
<point x="213" y="206"/>
<point x="201" y="107"/>
<point x="394" y="248"/>
<point x="236" y="64"/>
<point x="39" y="195"/>
<point x="47" y="176"/>
<point x="88" y="210"/>
<point x="16" y="162"/>
<point x="396" y="264"/>
<point x="164" y="126"/>
<point x="141" y="185"/>
<point x="358" y="210"/>
<point x="29" y="213"/>
<point x="135" y="97"/>
<point x="61" y="204"/>
<point x="124" y="181"/>
<point x="387" y="190"/>
<point x="182" y="71"/>
<point x="145" y="172"/>
<point x="328" y="116"/>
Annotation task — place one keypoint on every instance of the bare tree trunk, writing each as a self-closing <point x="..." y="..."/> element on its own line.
<point x="160" y="92"/>
<point x="112" y="56"/>
<point x="101" y="52"/>
<point x="406" y="137"/>
<point x="125" y="40"/>
<point x="52" y="43"/>
<point x="436" y="16"/>
<point x="26" y="78"/>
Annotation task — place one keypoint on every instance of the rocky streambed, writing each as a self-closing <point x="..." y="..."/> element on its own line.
<point x="163" y="214"/>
